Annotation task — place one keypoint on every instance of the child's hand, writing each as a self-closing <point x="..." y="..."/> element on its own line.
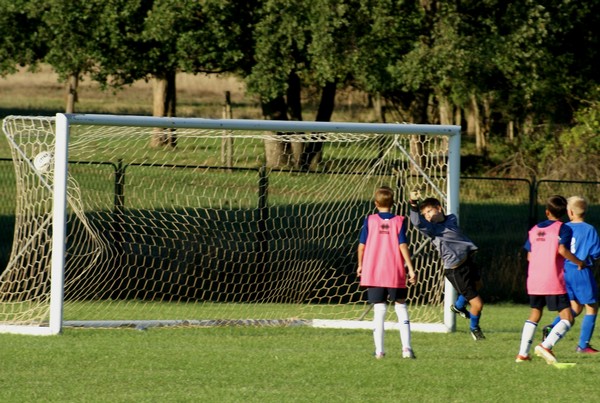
<point x="415" y="195"/>
<point x="412" y="278"/>
<point x="359" y="271"/>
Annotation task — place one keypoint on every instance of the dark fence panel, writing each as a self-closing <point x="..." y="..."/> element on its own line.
<point x="7" y="209"/>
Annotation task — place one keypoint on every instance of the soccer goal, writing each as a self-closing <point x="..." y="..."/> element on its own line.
<point x="143" y="221"/>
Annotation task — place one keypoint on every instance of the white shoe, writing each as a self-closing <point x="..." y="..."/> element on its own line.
<point x="379" y="356"/>
<point x="408" y="353"/>
<point x="546" y="354"/>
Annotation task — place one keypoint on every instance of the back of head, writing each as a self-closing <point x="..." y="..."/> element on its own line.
<point x="384" y="196"/>
<point x="557" y="206"/>
<point x="430" y="202"/>
<point x="578" y="205"/>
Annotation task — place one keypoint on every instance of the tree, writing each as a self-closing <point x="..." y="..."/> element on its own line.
<point x="68" y="29"/>
<point x="19" y="44"/>
<point x="301" y="45"/>
<point x="141" y="41"/>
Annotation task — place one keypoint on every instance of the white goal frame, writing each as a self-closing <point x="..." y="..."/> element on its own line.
<point x="64" y="122"/>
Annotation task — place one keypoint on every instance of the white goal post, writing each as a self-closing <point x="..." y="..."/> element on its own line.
<point x="144" y="221"/>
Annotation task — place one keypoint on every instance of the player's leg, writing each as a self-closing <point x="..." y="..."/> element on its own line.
<point x="462" y="281"/>
<point x="586" y="291"/>
<point x="537" y="304"/>
<point x="588" y="324"/>
<point x="573" y="280"/>
<point x="460" y="307"/>
<point x="561" y="304"/>
<point x="476" y="306"/>
<point x="473" y="281"/>
<point x="399" y="295"/>
<point x="576" y="309"/>
<point x="377" y="297"/>
<point x="529" y="328"/>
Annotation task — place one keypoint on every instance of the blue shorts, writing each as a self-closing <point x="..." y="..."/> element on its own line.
<point x="581" y="285"/>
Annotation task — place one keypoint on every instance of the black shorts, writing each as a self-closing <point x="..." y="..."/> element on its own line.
<point x="553" y="302"/>
<point x="378" y="295"/>
<point x="464" y="278"/>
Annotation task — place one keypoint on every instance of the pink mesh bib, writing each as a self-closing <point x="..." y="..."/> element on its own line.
<point x="546" y="267"/>
<point x="383" y="265"/>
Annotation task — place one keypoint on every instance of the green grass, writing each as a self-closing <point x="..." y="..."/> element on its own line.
<point x="289" y="364"/>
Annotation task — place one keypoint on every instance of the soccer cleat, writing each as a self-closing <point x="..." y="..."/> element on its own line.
<point x="546" y="331"/>
<point x="477" y="334"/>
<point x="461" y="311"/>
<point x="587" y="350"/>
<point x="546" y="354"/>
<point x="378" y="356"/>
<point x="408" y="353"/>
<point x="522" y="358"/>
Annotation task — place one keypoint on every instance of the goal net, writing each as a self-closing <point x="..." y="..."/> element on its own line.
<point x="142" y="221"/>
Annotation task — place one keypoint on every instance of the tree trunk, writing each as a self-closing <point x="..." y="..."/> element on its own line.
<point x="510" y="131"/>
<point x="294" y="107"/>
<point x="164" y="105"/>
<point x="277" y="153"/>
<point x="445" y="110"/>
<point x="313" y="151"/>
<point x="227" y="142"/>
<point x="473" y="123"/>
<point x="486" y="123"/>
<point x="72" y="86"/>
<point x="418" y="114"/>
<point x="457" y="116"/>
<point x="378" y="108"/>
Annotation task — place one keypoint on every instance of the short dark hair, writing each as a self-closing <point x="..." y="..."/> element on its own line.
<point x="429" y="202"/>
<point x="557" y="205"/>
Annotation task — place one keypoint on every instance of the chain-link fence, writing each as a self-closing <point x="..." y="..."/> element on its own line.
<point x="496" y="213"/>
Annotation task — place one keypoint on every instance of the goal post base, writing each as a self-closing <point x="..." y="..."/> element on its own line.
<point x="146" y="324"/>
<point x="352" y="324"/>
<point x="28" y="330"/>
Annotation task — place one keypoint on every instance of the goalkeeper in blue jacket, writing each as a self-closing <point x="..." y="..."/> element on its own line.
<point x="456" y="251"/>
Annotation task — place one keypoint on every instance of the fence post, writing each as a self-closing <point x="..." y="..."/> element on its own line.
<point x="227" y="142"/>
<point x="119" y="187"/>
<point x="119" y="203"/>
<point x="533" y="201"/>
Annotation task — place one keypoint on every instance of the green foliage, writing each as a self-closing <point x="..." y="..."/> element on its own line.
<point x="67" y="28"/>
<point x="19" y="42"/>
<point x="580" y="144"/>
<point x="534" y="62"/>
<point x="281" y="38"/>
<point x="584" y="135"/>
<point x="218" y="37"/>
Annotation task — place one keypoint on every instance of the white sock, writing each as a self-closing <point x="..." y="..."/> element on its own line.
<point x="558" y="332"/>
<point x="378" y="322"/>
<point x="403" y="320"/>
<point x="527" y="337"/>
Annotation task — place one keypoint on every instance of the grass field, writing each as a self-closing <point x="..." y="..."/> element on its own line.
<point x="290" y="364"/>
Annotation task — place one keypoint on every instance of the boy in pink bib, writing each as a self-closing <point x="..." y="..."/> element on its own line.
<point x="382" y="256"/>
<point x="547" y="248"/>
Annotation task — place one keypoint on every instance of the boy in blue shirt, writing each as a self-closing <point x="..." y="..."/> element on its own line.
<point x="581" y="284"/>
